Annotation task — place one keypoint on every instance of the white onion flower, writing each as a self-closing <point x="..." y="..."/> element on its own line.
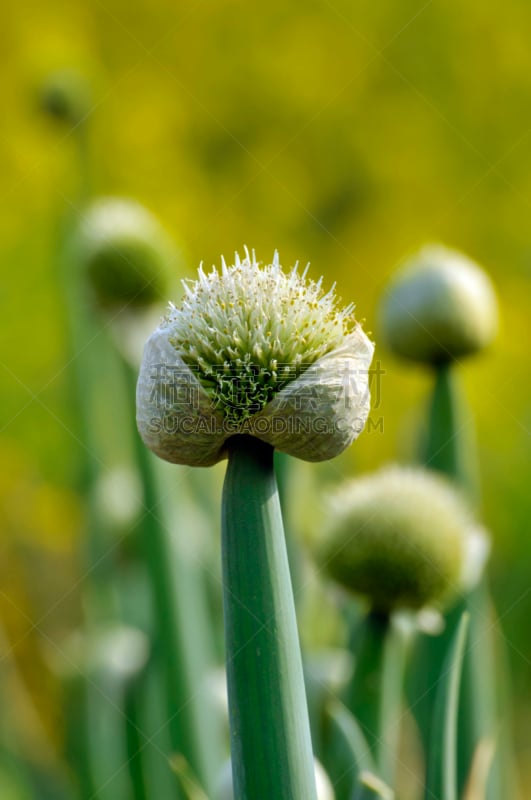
<point x="253" y="349"/>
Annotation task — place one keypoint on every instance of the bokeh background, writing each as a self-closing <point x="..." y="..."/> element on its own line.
<point x="343" y="134"/>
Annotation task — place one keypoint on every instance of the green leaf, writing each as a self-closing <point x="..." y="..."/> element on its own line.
<point x="346" y="752"/>
<point x="441" y="781"/>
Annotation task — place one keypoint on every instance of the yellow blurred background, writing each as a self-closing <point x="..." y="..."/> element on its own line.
<point x="343" y="134"/>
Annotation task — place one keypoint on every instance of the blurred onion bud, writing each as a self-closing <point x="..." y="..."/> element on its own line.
<point x="125" y="253"/>
<point x="438" y="307"/>
<point x="118" y="494"/>
<point x="119" y="651"/>
<point x="258" y="351"/>
<point x="65" y="95"/>
<point x="404" y="538"/>
<point x="224" y="790"/>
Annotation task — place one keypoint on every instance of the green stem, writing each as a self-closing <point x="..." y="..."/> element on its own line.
<point x="445" y="450"/>
<point x="78" y="745"/>
<point x="368" y="645"/>
<point x="375" y="695"/>
<point x="270" y="733"/>
<point x="282" y="471"/>
<point x="133" y="736"/>
<point x="392" y="701"/>
<point x="86" y="356"/>
<point x="449" y="446"/>
<point x="181" y="617"/>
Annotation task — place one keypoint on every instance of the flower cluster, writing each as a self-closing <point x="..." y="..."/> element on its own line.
<point x="254" y="349"/>
<point x="260" y="324"/>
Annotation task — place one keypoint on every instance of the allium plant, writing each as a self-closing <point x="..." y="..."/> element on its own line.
<point x="255" y="359"/>
<point x="124" y="256"/>
<point x="440" y="308"/>
<point x="405" y="540"/>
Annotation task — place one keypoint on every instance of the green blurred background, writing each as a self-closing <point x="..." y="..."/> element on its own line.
<point x="344" y="134"/>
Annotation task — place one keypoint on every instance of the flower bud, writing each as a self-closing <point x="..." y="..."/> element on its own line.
<point x="125" y="254"/>
<point x="439" y="306"/>
<point x="65" y="95"/>
<point x="404" y="538"/>
<point x="258" y="351"/>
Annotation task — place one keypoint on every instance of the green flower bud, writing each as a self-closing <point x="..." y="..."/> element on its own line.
<point x="404" y="538"/>
<point x="125" y="254"/>
<point x="440" y="306"/>
<point x="259" y="351"/>
<point x="65" y="95"/>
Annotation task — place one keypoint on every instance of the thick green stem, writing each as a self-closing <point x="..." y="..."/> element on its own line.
<point x="270" y="733"/>
<point x="282" y="471"/>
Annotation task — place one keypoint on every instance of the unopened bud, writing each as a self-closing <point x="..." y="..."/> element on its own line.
<point x="438" y="307"/>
